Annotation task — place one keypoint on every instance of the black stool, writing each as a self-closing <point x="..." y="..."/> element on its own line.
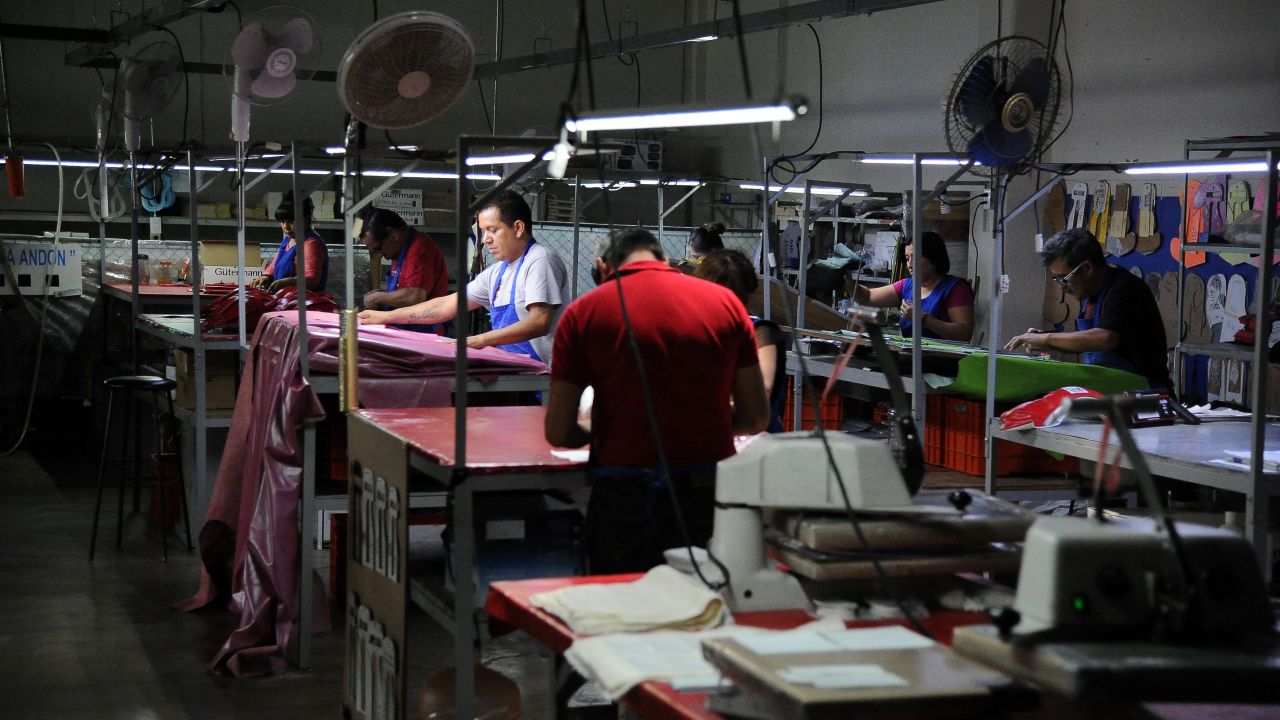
<point x="132" y="385"/>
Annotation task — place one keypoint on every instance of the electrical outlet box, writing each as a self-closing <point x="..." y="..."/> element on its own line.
<point x="1039" y="242"/>
<point x="1004" y="284"/>
<point x="156" y="227"/>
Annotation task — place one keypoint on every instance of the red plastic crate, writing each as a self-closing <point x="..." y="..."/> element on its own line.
<point x="832" y="410"/>
<point x="965" y="445"/>
<point x="935" y="435"/>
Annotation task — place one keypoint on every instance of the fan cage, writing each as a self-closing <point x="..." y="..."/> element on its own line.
<point x="371" y="72"/>
<point x="1009" y="56"/>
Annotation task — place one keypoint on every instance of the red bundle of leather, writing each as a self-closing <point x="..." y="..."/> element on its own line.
<point x="223" y="312"/>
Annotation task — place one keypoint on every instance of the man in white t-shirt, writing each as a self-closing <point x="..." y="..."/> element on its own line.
<point x="524" y="290"/>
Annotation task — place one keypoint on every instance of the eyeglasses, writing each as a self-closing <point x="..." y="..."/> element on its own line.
<point x="1064" y="279"/>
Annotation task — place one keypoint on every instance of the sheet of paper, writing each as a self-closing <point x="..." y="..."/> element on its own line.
<point x="880" y="638"/>
<point x="789" y="642"/>
<point x="838" y="677"/>
<point x="573" y="455"/>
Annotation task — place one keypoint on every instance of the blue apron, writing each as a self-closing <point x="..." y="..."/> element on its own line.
<point x="1090" y="311"/>
<point x="929" y="304"/>
<point x="285" y="264"/>
<point x="393" y="282"/>
<point x="501" y="316"/>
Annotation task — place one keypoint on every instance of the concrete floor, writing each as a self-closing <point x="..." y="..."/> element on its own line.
<point x="98" y="640"/>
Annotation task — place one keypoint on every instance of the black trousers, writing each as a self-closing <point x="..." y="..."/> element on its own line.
<point x="631" y="521"/>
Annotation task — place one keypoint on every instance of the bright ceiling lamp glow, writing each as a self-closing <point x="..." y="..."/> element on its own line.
<point x="504" y="159"/>
<point x="704" y="38"/>
<point x="612" y="185"/>
<point x="816" y="190"/>
<point x="898" y="160"/>
<point x="70" y="163"/>
<point x="335" y="150"/>
<point x="1191" y="167"/>
<point x="679" y="183"/>
<point x="687" y="117"/>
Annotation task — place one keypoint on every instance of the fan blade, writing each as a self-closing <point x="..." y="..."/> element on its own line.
<point x="976" y="90"/>
<point x="297" y="36"/>
<point x="1034" y="81"/>
<point x="270" y="86"/>
<point x="250" y="49"/>
<point x="996" y="147"/>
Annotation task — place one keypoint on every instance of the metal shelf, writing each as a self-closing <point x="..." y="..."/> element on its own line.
<point x="20" y="216"/>
<point x="1231" y="351"/>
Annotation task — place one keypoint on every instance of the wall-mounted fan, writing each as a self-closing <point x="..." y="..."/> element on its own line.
<point x="1004" y="107"/>
<point x="145" y="85"/>
<point x="406" y="69"/>
<point x="277" y="47"/>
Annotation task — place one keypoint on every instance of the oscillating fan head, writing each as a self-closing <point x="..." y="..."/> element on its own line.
<point x="1004" y="108"/>
<point x="148" y="80"/>
<point x="406" y="69"/>
<point x="277" y="47"/>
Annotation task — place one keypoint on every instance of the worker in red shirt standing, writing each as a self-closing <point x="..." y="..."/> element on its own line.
<point x="699" y="373"/>
<point x="418" y="271"/>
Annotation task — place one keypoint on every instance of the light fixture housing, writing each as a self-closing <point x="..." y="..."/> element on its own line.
<point x="685" y="116"/>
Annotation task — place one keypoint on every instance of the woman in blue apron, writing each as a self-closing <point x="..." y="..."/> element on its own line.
<point x="503" y="314"/>
<point x="282" y="271"/>
<point x="946" y="304"/>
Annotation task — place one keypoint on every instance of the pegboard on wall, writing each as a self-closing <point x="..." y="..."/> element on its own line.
<point x="1203" y="377"/>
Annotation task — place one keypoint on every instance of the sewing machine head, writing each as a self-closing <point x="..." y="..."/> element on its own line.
<point x="1084" y="579"/>
<point x="791" y="470"/>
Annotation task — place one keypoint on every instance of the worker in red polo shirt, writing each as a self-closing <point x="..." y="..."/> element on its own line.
<point x="418" y="271"/>
<point x="698" y="371"/>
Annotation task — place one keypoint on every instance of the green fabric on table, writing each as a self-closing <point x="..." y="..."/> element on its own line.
<point x="1026" y="378"/>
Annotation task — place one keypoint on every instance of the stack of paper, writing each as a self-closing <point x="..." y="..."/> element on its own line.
<point x="664" y="598"/>
<point x="1270" y="459"/>
<point x="621" y="661"/>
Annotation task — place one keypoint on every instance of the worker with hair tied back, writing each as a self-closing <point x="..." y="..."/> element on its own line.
<point x="704" y="240"/>
<point x="282" y="271"/>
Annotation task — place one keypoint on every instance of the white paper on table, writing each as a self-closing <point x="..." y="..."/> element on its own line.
<point x="573" y="455"/>
<point x="620" y="661"/>
<point x="836" y="677"/>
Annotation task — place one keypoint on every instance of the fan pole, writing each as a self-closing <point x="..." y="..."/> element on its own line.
<point x="134" y="298"/>
<point x="993" y="334"/>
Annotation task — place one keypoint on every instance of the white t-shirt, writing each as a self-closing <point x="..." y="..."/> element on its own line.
<point x="542" y="279"/>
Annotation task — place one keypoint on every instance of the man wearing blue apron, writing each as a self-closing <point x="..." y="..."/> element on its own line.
<point x="1119" y="325"/>
<point x="418" y="270"/>
<point x="524" y="289"/>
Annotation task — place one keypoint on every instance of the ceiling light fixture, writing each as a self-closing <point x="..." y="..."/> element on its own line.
<point x="675" y="117"/>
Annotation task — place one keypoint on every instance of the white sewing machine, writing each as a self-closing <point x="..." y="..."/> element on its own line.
<point x="791" y="471"/>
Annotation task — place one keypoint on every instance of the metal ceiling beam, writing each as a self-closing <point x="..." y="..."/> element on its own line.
<point x="50" y="32"/>
<point x="201" y="68"/>
<point x="814" y="11"/>
<point x="142" y="23"/>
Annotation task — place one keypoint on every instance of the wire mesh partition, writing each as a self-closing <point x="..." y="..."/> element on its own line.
<point x="559" y="237"/>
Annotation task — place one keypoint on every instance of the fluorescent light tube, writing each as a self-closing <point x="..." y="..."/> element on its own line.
<point x="503" y="159"/>
<point x="704" y="38"/>
<point x="1192" y="167"/>
<point x="687" y="117"/>
<point x="816" y="190"/>
<point x="897" y="160"/>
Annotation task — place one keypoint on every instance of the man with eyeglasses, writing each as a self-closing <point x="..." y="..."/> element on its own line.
<point x="1119" y="325"/>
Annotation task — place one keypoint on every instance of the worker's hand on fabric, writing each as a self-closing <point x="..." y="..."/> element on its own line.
<point x="373" y="317"/>
<point x="372" y="299"/>
<point x="905" y="308"/>
<point x="1032" y="338"/>
<point x="261" y="281"/>
<point x="473" y="341"/>
<point x="278" y="285"/>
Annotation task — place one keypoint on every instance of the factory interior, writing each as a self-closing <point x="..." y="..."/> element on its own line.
<point x="679" y="359"/>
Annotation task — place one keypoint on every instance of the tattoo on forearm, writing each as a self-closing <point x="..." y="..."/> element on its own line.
<point x="423" y="315"/>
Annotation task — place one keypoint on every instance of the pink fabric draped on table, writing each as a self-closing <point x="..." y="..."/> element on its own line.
<point x="249" y="540"/>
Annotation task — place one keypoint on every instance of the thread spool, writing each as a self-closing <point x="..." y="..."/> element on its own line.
<point x="348" y="361"/>
<point x="17" y="181"/>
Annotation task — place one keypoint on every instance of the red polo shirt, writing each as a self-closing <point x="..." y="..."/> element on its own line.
<point x="694" y="335"/>
<point x="424" y="267"/>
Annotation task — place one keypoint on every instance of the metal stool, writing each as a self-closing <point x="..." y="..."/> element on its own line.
<point x="131" y="385"/>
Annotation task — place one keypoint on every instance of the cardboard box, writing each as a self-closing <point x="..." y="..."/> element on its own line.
<point x="439" y="219"/>
<point x="221" y="370"/>
<point x="222" y="210"/>
<point x="224" y="253"/>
